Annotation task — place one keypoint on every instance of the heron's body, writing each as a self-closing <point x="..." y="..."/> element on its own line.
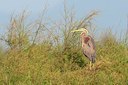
<point x="88" y="47"/>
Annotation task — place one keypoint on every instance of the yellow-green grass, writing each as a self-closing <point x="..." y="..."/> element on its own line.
<point x="43" y="66"/>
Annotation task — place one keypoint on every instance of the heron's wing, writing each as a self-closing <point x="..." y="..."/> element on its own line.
<point x="91" y="42"/>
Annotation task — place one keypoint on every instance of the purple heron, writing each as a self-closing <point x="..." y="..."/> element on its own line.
<point x="88" y="45"/>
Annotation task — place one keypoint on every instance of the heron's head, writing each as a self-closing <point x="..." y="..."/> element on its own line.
<point x="82" y="30"/>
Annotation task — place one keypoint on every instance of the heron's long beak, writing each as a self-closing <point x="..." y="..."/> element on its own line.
<point x="80" y="30"/>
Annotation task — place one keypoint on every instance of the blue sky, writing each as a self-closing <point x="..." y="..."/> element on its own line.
<point x="113" y="13"/>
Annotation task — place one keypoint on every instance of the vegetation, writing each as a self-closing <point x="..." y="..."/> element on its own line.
<point x="41" y="53"/>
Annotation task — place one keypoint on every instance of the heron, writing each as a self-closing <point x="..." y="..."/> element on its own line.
<point x="88" y="45"/>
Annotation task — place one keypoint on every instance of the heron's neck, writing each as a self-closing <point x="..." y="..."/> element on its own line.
<point x="82" y="39"/>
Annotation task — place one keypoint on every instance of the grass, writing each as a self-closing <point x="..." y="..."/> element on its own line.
<point x="60" y="62"/>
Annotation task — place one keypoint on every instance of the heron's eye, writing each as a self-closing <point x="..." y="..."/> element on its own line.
<point x="83" y="34"/>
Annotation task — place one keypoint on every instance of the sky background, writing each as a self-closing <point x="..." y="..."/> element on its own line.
<point x="112" y="13"/>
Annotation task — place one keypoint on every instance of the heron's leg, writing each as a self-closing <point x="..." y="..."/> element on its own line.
<point x="93" y="65"/>
<point x="90" y="65"/>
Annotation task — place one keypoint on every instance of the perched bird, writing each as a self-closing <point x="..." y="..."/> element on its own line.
<point x="88" y="45"/>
